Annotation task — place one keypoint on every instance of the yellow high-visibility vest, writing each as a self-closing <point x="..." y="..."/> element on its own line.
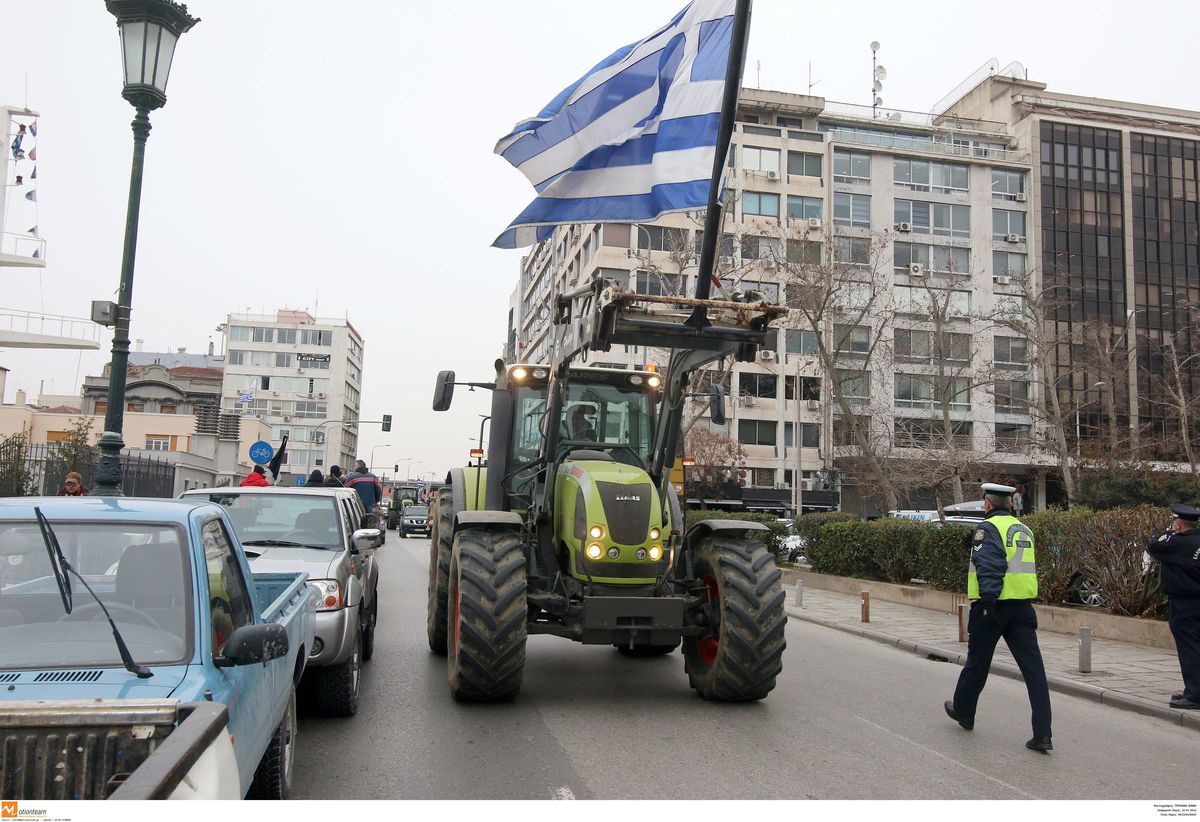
<point x="1020" y="580"/>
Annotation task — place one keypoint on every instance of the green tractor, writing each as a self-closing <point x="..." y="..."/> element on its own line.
<point x="572" y="527"/>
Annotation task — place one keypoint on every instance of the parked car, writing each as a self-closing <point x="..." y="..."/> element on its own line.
<point x="414" y="519"/>
<point x="193" y="624"/>
<point x="793" y="543"/>
<point x="319" y="531"/>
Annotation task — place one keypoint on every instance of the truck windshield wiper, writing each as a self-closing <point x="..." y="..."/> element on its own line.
<point x="282" y="543"/>
<point x="61" y="567"/>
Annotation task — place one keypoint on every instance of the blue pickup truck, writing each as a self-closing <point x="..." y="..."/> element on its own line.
<point x="189" y="623"/>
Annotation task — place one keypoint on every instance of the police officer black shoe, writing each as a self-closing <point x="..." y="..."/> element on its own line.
<point x="968" y="724"/>
<point x="1185" y="704"/>
<point x="1040" y="743"/>
<point x="1177" y="695"/>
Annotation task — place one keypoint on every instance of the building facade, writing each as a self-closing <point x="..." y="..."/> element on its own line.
<point x="303" y="376"/>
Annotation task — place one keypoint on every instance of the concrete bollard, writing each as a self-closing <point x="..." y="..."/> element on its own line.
<point x="866" y="606"/>
<point x="799" y="600"/>
<point x="963" y="612"/>
<point x="1085" y="650"/>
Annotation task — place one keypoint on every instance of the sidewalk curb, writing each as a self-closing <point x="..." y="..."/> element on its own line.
<point x="1186" y="719"/>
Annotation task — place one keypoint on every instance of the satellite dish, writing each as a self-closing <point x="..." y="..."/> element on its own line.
<point x="874" y="45"/>
<point x="880" y="73"/>
<point x="878" y="86"/>
<point x="879" y="101"/>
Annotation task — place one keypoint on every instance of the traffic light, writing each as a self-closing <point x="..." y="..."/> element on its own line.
<point x="387" y="422"/>
<point x="397" y="471"/>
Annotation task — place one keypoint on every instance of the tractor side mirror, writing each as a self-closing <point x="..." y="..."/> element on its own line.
<point x="443" y="392"/>
<point x="716" y="405"/>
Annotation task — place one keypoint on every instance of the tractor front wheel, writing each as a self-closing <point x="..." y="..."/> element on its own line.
<point x="439" y="571"/>
<point x="739" y="657"/>
<point x="486" y="616"/>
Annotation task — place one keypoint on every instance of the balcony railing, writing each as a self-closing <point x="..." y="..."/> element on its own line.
<point x="948" y="149"/>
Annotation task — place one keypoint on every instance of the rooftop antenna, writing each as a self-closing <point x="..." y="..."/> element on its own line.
<point x="878" y="75"/>
<point x="758" y="72"/>
<point x="811" y="83"/>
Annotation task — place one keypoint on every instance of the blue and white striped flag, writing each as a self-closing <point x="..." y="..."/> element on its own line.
<point x="246" y="395"/>
<point x="634" y="138"/>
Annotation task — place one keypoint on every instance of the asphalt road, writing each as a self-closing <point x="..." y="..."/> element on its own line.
<point x="849" y="719"/>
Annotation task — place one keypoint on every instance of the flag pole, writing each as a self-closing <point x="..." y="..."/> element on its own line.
<point x="712" y="217"/>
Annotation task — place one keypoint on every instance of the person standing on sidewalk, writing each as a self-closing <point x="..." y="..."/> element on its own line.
<point x="1178" y="551"/>
<point x="1002" y="584"/>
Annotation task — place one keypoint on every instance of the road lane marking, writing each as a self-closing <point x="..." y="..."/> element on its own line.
<point x="563" y="793"/>
<point x="962" y="765"/>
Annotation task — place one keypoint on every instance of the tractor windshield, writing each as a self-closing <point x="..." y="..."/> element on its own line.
<point x="613" y="413"/>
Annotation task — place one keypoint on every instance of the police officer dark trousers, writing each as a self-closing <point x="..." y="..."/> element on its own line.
<point x="1002" y="582"/>
<point x="1178" y="550"/>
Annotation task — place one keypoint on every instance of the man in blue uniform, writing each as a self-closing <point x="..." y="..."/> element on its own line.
<point x="1178" y="551"/>
<point x="1002" y="584"/>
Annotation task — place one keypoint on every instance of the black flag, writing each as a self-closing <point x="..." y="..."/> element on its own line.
<point x="277" y="460"/>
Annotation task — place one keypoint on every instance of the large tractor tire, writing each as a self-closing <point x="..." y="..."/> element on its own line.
<point x="738" y="660"/>
<point x="439" y="572"/>
<point x="644" y="651"/>
<point x="486" y="620"/>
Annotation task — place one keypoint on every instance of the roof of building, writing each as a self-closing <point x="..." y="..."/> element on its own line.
<point x="62" y="409"/>
<point x="176" y="359"/>
<point x="188" y="371"/>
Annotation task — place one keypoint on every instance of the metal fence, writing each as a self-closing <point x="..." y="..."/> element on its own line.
<point x="42" y="468"/>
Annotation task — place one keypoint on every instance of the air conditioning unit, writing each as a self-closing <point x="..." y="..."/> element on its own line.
<point x="1012" y="238"/>
<point x="1002" y="280"/>
<point x="904" y="228"/>
<point x="814" y="405"/>
<point x="766" y="355"/>
<point x="1020" y="197"/>
<point x="749" y="400"/>
<point x="916" y="270"/>
<point x="287" y="417"/>
<point x="320" y="396"/>
<point x="808" y="484"/>
<point x="814" y="222"/>
<point x="274" y="393"/>
<point x="772" y="175"/>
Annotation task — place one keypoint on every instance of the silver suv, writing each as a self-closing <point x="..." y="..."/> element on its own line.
<point x="415" y="520"/>
<point x="320" y="531"/>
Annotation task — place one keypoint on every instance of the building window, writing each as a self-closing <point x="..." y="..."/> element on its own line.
<point x="1005" y="223"/>
<point x="660" y="238"/>
<point x="800" y="342"/>
<point x="853" y="385"/>
<point x="58" y="436"/>
<point x="314" y="337"/>
<point x="804" y="165"/>
<point x="760" y="248"/>
<point x="810" y="388"/>
<point x="235" y="357"/>
<point x="1012" y="396"/>
<point x="921" y="346"/>
<point x="758" y="385"/>
<point x="760" y="159"/>
<point x="1007" y="264"/>
<point x="803" y="208"/>
<point x="760" y="204"/>
<point x="852" y="250"/>
<point x="852" y="210"/>
<point x="911" y="174"/>
<point x="239" y="333"/>
<point x="810" y="435"/>
<point x="804" y="252"/>
<point x="136" y="407"/>
<point x="948" y="177"/>
<point x="913" y="391"/>
<point x="951" y="220"/>
<point x="757" y="432"/>
<point x="168" y="408"/>
<point x="762" y="477"/>
<point x="923" y="301"/>
<point x="851" y="339"/>
<point x="851" y="167"/>
<point x="285" y="336"/>
<point x="262" y="335"/>
<point x="725" y="249"/>
<point x="284" y="360"/>
<point x="1007" y="184"/>
<point x="1010" y="437"/>
<point x="101" y="407"/>
<point x="160" y="442"/>
<point x="1010" y="351"/>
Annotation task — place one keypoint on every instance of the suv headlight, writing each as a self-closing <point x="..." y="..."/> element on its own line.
<point x="328" y="593"/>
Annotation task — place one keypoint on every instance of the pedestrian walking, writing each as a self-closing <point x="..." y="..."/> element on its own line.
<point x="257" y="478"/>
<point x="1018" y="504"/>
<point x="368" y="486"/>
<point x="334" y="480"/>
<point x="315" y="478"/>
<point x="1002" y="584"/>
<point x="1178" y="552"/>
<point x="73" y="486"/>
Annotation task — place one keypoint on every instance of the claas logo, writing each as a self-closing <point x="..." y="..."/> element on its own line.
<point x="8" y="810"/>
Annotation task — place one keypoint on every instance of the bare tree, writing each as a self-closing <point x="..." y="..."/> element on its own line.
<point x="719" y="458"/>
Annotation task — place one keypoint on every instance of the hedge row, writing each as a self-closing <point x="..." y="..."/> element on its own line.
<point x="1105" y="547"/>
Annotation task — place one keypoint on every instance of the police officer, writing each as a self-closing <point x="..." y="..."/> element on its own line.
<point x="1178" y="550"/>
<point x="1002" y="584"/>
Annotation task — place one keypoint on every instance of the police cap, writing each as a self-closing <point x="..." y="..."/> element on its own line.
<point x="1185" y="512"/>
<point x="1002" y="490"/>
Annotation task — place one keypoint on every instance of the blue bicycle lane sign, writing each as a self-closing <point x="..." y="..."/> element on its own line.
<point x="261" y="452"/>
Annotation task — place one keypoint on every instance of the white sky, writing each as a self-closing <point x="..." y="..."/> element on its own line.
<point x="337" y="156"/>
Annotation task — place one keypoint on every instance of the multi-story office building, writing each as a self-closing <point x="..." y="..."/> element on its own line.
<point x="937" y="227"/>
<point x="303" y="376"/>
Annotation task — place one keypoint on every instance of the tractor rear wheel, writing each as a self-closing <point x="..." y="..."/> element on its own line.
<point x="643" y="651"/>
<point x="439" y="571"/>
<point x="486" y="619"/>
<point x="740" y="656"/>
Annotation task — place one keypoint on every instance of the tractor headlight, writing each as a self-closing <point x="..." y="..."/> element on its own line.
<point x="641" y="553"/>
<point x="539" y="373"/>
<point x="653" y="381"/>
<point x="614" y="553"/>
<point x="594" y="551"/>
<point x="519" y="374"/>
<point x="655" y="533"/>
<point x="655" y="552"/>
<point x="328" y="594"/>
<point x="595" y="532"/>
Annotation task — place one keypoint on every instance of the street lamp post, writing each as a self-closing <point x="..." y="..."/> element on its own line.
<point x="408" y="472"/>
<point x="150" y="30"/>
<point x="373" y="450"/>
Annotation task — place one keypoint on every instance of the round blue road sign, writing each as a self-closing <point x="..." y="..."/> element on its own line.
<point x="261" y="452"/>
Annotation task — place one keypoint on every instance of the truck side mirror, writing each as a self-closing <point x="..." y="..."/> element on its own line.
<point x="364" y="539"/>
<point x="254" y="643"/>
<point x="716" y="405"/>
<point x="443" y="391"/>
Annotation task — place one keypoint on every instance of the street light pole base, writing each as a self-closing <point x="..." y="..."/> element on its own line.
<point x="107" y="480"/>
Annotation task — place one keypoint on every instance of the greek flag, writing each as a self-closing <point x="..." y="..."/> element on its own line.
<point x="632" y="139"/>
<point x="246" y="395"/>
